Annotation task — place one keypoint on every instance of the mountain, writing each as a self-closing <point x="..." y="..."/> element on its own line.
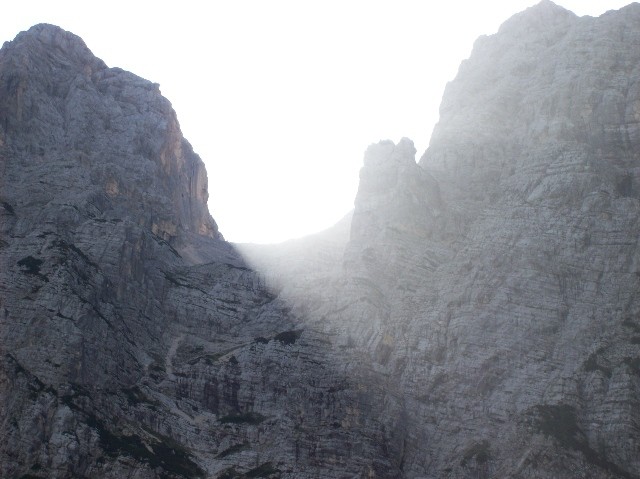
<point x="476" y="315"/>
<point x="135" y="341"/>
<point x="492" y="289"/>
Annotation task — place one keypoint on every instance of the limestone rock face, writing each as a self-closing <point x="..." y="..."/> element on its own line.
<point x="476" y="316"/>
<point x="397" y="203"/>
<point x="537" y="158"/>
<point x="99" y="136"/>
<point x="134" y="341"/>
<point x="489" y="296"/>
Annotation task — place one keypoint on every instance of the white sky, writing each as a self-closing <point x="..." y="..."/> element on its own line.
<point x="281" y="98"/>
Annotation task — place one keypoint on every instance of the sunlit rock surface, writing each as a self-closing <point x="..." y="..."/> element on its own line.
<point x="477" y="315"/>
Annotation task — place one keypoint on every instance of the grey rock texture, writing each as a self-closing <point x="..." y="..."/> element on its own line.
<point x="63" y="110"/>
<point x="476" y="316"/>
<point x="536" y="155"/>
<point x="134" y="341"/>
<point x="489" y="296"/>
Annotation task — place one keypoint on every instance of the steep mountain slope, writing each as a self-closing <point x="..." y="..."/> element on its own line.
<point x="135" y="342"/>
<point x="492" y="292"/>
<point x="537" y="157"/>
<point x="481" y="319"/>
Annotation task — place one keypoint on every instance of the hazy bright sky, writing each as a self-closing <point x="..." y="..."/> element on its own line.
<point x="281" y="98"/>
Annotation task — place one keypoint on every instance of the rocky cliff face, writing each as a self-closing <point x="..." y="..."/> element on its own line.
<point x="536" y="155"/>
<point x="479" y="319"/>
<point x="135" y="342"/>
<point x="490" y="294"/>
<point x="63" y="112"/>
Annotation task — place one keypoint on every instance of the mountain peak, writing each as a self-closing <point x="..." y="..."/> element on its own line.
<point x="61" y="105"/>
<point x="546" y="7"/>
<point x="50" y="33"/>
<point x="545" y="15"/>
<point x="44" y="36"/>
<point x="482" y="319"/>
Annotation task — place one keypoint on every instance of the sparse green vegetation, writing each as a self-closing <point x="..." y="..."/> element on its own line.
<point x="592" y="364"/>
<point x="157" y="367"/>
<point x="174" y="279"/>
<point x="213" y="357"/>
<point x="77" y="392"/>
<point x="233" y="450"/>
<point x="560" y="422"/>
<point x="30" y="265"/>
<point x="8" y="208"/>
<point x="243" y="418"/>
<point x="156" y="370"/>
<point x="207" y="358"/>
<point x="136" y="396"/>
<point x="624" y="186"/>
<point x="165" y="453"/>
<point x="229" y="473"/>
<point x="63" y="245"/>
<point x="629" y="323"/>
<point x="480" y="451"/>
<point x="263" y="470"/>
<point x="288" y="337"/>
<point x="634" y="365"/>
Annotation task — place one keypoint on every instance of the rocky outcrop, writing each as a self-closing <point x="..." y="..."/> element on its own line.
<point x="490" y="294"/>
<point x="135" y="342"/>
<point x="536" y="154"/>
<point x="477" y="316"/>
<point x="397" y="204"/>
<point x="100" y="138"/>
